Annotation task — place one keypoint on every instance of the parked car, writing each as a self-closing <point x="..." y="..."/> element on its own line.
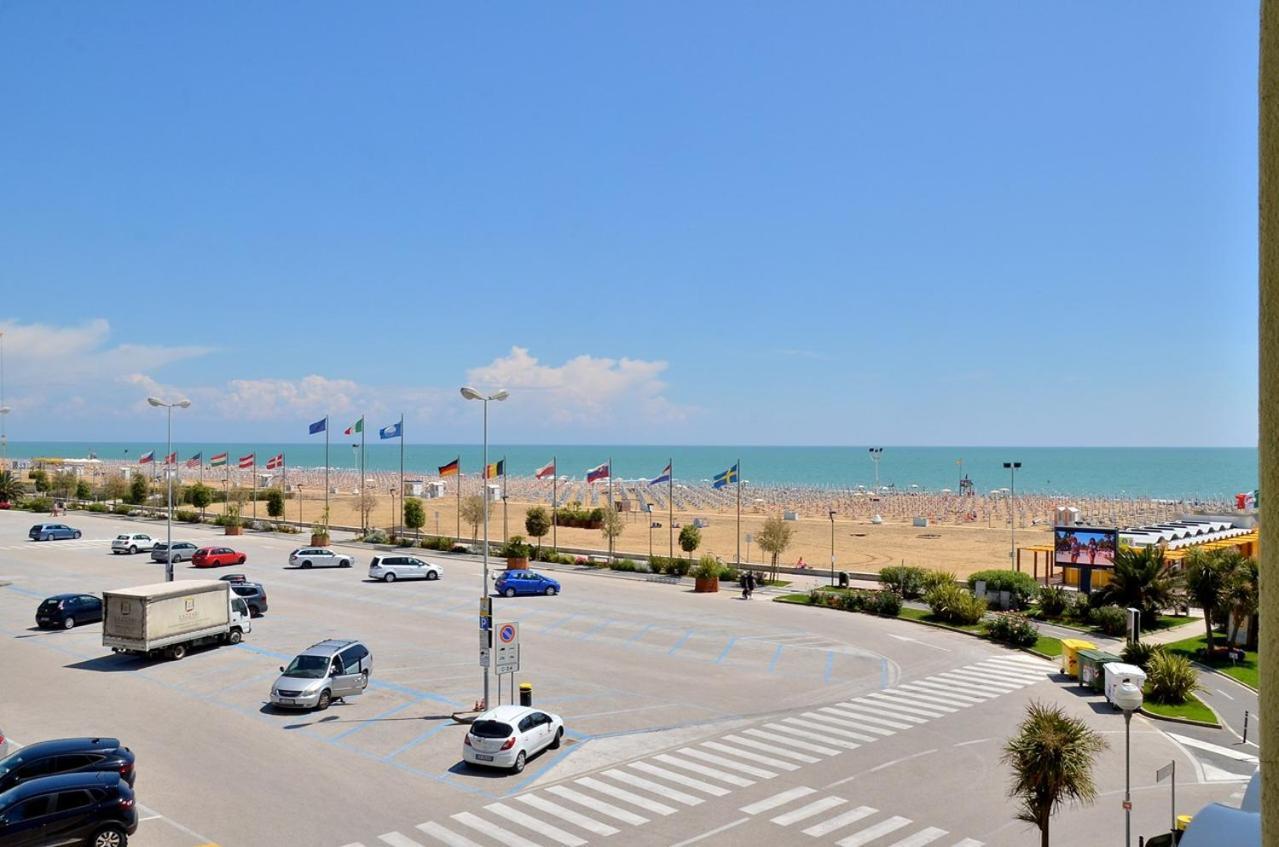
<point x="52" y="532"/>
<point x="216" y="557"/>
<point x="233" y="577"/>
<point x="506" y="737"/>
<point x="182" y="550"/>
<point x="132" y="542"/>
<point x="253" y="595"/>
<point x="322" y="673"/>
<point x="64" y="755"/>
<point x="319" y="557"/>
<point x="391" y="568"/>
<point x="511" y="583"/>
<point x="66" y="611"/>
<point x="95" y="809"/>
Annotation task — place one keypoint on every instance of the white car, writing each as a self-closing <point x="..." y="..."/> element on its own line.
<point x="391" y="568"/>
<point x="134" y="542"/>
<point x="507" y="736"/>
<point x="319" y="557"/>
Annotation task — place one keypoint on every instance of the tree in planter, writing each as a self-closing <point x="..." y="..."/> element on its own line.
<point x="321" y="527"/>
<point x="275" y="503"/>
<point x="10" y="488"/>
<point x="139" y="490"/>
<point x="611" y="526"/>
<point x="690" y="538"/>
<point x="201" y="496"/>
<point x="1052" y="757"/>
<point x="773" y="539"/>
<point x="473" y="514"/>
<point x="414" y="514"/>
<point x="1206" y="580"/>
<point x="537" y="522"/>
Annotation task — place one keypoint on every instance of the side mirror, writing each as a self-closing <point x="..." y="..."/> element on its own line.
<point x="281" y="668"/>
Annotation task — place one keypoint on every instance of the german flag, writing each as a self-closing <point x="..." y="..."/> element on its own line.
<point x="495" y="470"/>
<point x="452" y="468"/>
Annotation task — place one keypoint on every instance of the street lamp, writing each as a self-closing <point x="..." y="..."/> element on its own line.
<point x="500" y="395"/>
<point x="4" y="411"/>
<point x="1128" y="698"/>
<point x="1012" y="467"/>
<point x="832" y="548"/>
<point x="875" y="454"/>
<point x="168" y="520"/>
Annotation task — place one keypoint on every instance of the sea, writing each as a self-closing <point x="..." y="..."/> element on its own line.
<point x="1190" y="473"/>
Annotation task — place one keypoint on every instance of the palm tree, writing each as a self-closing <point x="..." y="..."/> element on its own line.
<point x="1142" y="579"/>
<point x="1206" y="580"/>
<point x="10" y="488"/>
<point x="1052" y="757"/>
<point x="1242" y="595"/>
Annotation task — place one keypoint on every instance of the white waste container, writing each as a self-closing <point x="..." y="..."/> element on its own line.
<point x="1116" y="673"/>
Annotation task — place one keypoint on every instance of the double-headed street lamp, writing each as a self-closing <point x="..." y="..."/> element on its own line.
<point x="1128" y="698"/>
<point x="1012" y="467"/>
<point x="168" y="520"/>
<point x="876" y="453"/>
<point x="500" y="395"/>
<point x="832" y="547"/>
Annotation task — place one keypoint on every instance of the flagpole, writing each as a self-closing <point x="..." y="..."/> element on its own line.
<point x="610" y="507"/>
<point x="284" y="487"/>
<point x="326" y="470"/>
<point x="670" y="505"/>
<point x="504" y="533"/>
<point x="400" y="517"/>
<point x="739" y="511"/>
<point x="364" y="523"/>
<point x="255" y="485"/>
<point x="459" y="501"/>
<point x="555" y="505"/>
<point x="226" y="484"/>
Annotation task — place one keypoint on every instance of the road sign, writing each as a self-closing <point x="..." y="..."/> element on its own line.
<point x="1165" y="772"/>
<point x="486" y="607"/>
<point x="486" y="639"/>
<point x="486" y="622"/>
<point x="484" y="657"/>
<point x="508" y="633"/>
<point x="1127" y="806"/>
<point x="508" y="658"/>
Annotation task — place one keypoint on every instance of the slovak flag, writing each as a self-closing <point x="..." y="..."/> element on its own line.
<point x="249" y="460"/>
<point x="546" y="470"/>
<point x="146" y="458"/>
<point x="665" y="476"/>
<point x="275" y="462"/>
<point x="194" y="461"/>
<point x="599" y="472"/>
<point x="171" y="459"/>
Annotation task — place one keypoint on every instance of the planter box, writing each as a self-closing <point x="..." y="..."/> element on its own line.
<point x="517" y="564"/>
<point x="706" y="584"/>
<point x="319" y="539"/>
<point x="234" y="530"/>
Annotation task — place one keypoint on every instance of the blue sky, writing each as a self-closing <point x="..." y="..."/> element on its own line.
<point x="841" y="223"/>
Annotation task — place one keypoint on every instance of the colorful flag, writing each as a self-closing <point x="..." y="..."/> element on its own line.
<point x="248" y="461"/>
<point x="218" y="460"/>
<point x="599" y="472"/>
<point x="171" y="459"/>
<point x="495" y="470"/>
<point x="665" y="477"/>
<point x="395" y="430"/>
<point x="727" y="477"/>
<point x="319" y="426"/>
<point x="194" y="461"/>
<point x="275" y="462"/>
<point x="146" y="458"/>
<point x="546" y="470"/>
<point x="358" y="426"/>
<point x="452" y="468"/>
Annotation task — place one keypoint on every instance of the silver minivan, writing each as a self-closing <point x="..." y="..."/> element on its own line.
<point x="322" y="673"/>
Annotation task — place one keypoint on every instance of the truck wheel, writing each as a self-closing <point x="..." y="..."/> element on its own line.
<point x="111" y="836"/>
<point x="177" y="651"/>
<point x="69" y="623"/>
<point x="235" y="637"/>
<point x="325" y="699"/>
<point x="390" y="577"/>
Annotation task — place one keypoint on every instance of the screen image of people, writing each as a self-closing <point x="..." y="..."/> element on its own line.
<point x="1092" y="547"/>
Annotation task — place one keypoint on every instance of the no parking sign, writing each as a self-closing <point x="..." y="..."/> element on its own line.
<point x="508" y="648"/>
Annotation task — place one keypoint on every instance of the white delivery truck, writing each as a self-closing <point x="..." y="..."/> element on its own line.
<point x="169" y="618"/>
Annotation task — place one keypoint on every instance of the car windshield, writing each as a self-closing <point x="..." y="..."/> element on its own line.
<point x="122" y="538"/>
<point x="10" y="763"/>
<point x="308" y="667"/>
<point x="490" y="729"/>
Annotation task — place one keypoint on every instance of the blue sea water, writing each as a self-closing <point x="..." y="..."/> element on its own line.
<point x="1165" y="472"/>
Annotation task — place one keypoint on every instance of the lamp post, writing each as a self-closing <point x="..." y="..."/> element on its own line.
<point x="875" y="454"/>
<point x="168" y="519"/>
<point x="1012" y="467"/>
<point x="471" y="394"/>
<point x="4" y="412"/>
<point x="832" y="548"/>
<point x="1128" y="698"/>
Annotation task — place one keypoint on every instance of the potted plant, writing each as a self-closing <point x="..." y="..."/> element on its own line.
<point x="706" y="575"/>
<point x="320" y="532"/>
<point x="231" y="522"/>
<point x="516" y="553"/>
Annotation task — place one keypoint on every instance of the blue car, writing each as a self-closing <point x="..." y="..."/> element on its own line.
<point x="511" y="583"/>
<point x="52" y="532"/>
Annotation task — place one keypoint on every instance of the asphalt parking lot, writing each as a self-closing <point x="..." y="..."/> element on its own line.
<point x="688" y="716"/>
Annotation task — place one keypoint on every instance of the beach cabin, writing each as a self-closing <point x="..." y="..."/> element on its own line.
<point x="414" y="487"/>
<point x="436" y="489"/>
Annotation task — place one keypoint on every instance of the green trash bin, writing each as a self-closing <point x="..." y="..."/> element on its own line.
<point x="1092" y="664"/>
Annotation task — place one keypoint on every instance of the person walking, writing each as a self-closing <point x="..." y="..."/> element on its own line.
<point x="750" y="584"/>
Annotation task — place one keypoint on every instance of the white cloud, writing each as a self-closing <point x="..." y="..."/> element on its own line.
<point x="43" y="356"/>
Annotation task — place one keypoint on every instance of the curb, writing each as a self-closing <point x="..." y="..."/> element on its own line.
<point x="1186" y="721"/>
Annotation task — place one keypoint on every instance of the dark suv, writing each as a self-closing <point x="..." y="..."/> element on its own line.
<point x="94" y="809"/>
<point x="254" y="596"/>
<point x="64" y="755"/>
<point x="64" y="611"/>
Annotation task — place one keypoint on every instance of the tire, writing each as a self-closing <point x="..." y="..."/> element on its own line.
<point x="325" y="699"/>
<point x="76" y="534"/>
<point x="550" y="591"/>
<point x="235" y="637"/>
<point x="510" y="592"/>
<point x="430" y="575"/>
<point x="110" y="836"/>
<point x="390" y="577"/>
<point x="364" y="684"/>
<point x="518" y="767"/>
<point x="243" y="559"/>
<point x="133" y="550"/>
<point x="559" y="736"/>
<point x="177" y="652"/>
<point x="69" y="623"/>
<point x="344" y="563"/>
<point x="306" y="564"/>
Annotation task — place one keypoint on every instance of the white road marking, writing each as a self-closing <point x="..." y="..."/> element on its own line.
<point x="812" y="736"/>
<point x="1000" y="673"/>
<point x="713" y="773"/>
<point x="648" y="785"/>
<point x="949" y="688"/>
<point x="873" y="708"/>
<point x="749" y="770"/>
<point x="927" y="702"/>
<point x="679" y="779"/>
<point x="973" y="741"/>
<point x="847" y="711"/>
<point x="539" y="826"/>
<point x="917" y="641"/>
<point x="793" y="742"/>
<point x="1213" y="748"/>
<point x="871" y="833"/>
<point x="776" y="800"/>
<point x="919" y="839"/>
<point x="1224" y="694"/>
<point x="436" y="831"/>
<point x="504" y="836"/>
<point x="768" y="748"/>
<point x="881" y="767"/>
<point x="815" y="721"/>
<point x="628" y="796"/>
<point x="968" y="842"/>
<point x="839" y="821"/>
<point x="751" y="757"/>
<point x="943" y="697"/>
<point x="977" y="680"/>
<point x="575" y="818"/>
<point x="825" y="720"/>
<point x="607" y="809"/>
<point x="715" y="831"/>
<point x="814" y="808"/>
<point x="895" y="705"/>
<point x="397" y="840"/>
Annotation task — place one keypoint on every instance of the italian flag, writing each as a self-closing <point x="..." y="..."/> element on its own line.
<point x="218" y="460"/>
<point x="358" y="426"/>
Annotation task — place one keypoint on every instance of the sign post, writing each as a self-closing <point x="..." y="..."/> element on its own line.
<point x="507" y="660"/>
<point x="1170" y="770"/>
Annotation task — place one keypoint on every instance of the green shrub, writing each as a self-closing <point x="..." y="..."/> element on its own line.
<point x="678" y="568"/>
<point x="1079" y="609"/>
<point x="625" y="565"/>
<point x="814" y="597"/>
<point x="886" y="603"/>
<point x="287" y="528"/>
<point x="728" y="573"/>
<point x="377" y="536"/>
<point x="1112" y="620"/>
<point x="1020" y="586"/>
<point x="932" y="579"/>
<point x="851" y="601"/>
<point x="954" y="604"/>
<point x="1140" y="653"/>
<point x="905" y="580"/>
<point x="37" y="504"/>
<point x="97" y="507"/>
<point x="1171" y="678"/>
<point x="706" y="567"/>
<point x="121" y="509"/>
<point x="1053" y="600"/>
<point x="1013" y="629"/>
<point x="515" y="548"/>
<point x="187" y="516"/>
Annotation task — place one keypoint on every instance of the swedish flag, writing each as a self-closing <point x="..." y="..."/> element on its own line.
<point x="726" y="478"/>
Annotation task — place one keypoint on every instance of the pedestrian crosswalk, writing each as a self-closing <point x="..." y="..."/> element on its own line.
<point x="630" y="795"/>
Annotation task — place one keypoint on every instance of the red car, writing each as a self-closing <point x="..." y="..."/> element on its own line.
<point x="216" y="557"/>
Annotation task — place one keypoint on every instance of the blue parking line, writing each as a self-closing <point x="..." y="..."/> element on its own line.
<point x="27" y="591"/>
<point x="591" y="632"/>
<point x="370" y="721"/>
<point x="830" y="667"/>
<point x="777" y="654"/>
<point x="373" y="683"/>
<point x="727" y="648"/>
<point x="637" y="636"/>
<point x="678" y="644"/>
<point x="559" y="623"/>
<point x="404" y="748"/>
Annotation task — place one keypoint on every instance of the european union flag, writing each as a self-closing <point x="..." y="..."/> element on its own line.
<point x="726" y="478"/>
<point x="319" y="426"/>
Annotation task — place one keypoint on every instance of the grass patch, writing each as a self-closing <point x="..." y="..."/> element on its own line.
<point x="1193" y="709"/>
<point x="1245" y="670"/>
<point x="1048" y="646"/>
<point x="799" y="599"/>
<point x="926" y="616"/>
